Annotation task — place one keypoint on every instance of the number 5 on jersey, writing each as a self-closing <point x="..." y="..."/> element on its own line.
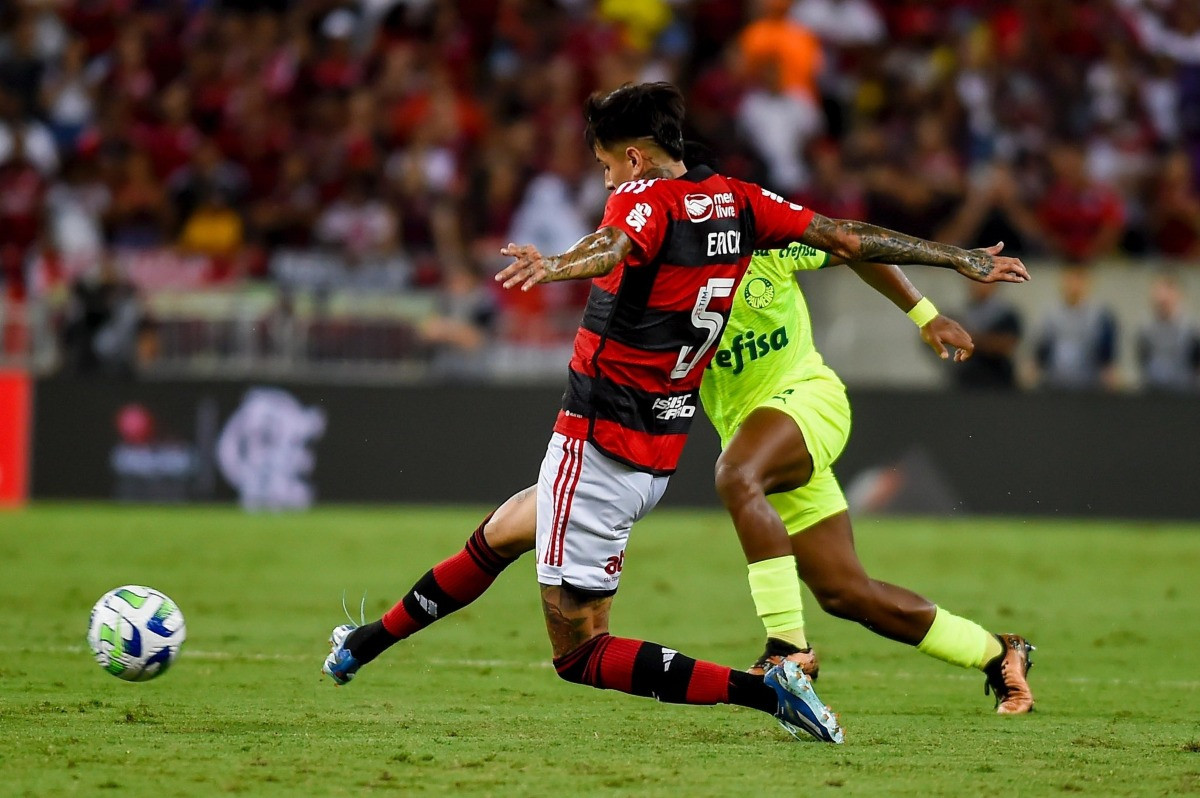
<point x="710" y="321"/>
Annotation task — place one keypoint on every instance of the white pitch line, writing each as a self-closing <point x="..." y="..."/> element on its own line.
<point x="236" y="656"/>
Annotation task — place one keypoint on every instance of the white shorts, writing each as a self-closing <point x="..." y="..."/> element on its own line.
<point x="586" y="506"/>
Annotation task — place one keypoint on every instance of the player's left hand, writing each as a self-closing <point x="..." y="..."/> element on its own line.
<point x="943" y="331"/>
<point x="1004" y="270"/>
<point x="528" y="267"/>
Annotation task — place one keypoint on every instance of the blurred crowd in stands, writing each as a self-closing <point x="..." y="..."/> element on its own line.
<point x="425" y="134"/>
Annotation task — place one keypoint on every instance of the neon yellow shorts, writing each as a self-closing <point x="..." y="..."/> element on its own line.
<point x="821" y="410"/>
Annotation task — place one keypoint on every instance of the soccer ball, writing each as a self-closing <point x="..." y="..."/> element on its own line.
<point x="135" y="632"/>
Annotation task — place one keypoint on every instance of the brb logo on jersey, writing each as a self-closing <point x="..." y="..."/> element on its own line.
<point x="674" y="407"/>
<point x="638" y="215"/>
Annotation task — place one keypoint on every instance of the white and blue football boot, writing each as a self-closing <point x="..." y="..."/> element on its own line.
<point x="800" y="710"/>
<point x="340" y="665"/>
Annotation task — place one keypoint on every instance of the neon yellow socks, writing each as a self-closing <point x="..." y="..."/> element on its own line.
<point x="775" y="588"/>
<point x="959" y="641"/>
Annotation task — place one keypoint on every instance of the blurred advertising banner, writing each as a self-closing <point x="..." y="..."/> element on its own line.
<point x="289" y="445"/>
<point x="286" y="446"/>
<point x="15" y="406"/>
<point x="180" y="443"/>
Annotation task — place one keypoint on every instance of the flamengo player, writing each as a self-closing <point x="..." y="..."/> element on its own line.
<point x="667" y="258"/>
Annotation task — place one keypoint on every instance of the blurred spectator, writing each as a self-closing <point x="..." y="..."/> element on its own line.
<point x="789" y="49"/>
<point x="993" y="211"/>
<point x="1077" y="346"/>
<point x="21" y="65"/>
<point x="641" y="21"/>
<point x="548" y="216"/>
<point x="894" y="198"/>
<point x="103" y="320"/>
<point x="207" y="172"/>
<point x="76" y="207"/>
<point x="1168" y="344"/>
<point x="777" y="125"/>
<point x="37" y="142"/>
<point x="845" y="23"/>
<point x="359" y="222"/>
<point x="1081" y="219"/>
<point x="286" y="215"/>
<point x="779" y="111"/>
<point x="716" y="96"/>
<point x="464" y="324"/>
<point x="173" y="140"/>
<point x="995" y="327"/>
<point x="1175" y="209"/>
<point x="140" y="215"/>
<point x="68" y="94"/>
<point x="22" y="191"/>
<point x="128" y="77"/>
<point x="213" y="227"/>
<point x="833" y="192"/>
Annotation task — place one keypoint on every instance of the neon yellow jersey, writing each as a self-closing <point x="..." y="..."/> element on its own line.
<point x="768" y="341"/>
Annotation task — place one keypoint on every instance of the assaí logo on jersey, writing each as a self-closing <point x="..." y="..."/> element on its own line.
<point x="702" y="207"/>
<point x="748" y="347"/>
<point x="671" y="407"/>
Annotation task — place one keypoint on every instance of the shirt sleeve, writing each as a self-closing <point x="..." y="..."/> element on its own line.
<point x="796" y="257"/>
<point x="639" y="210"/>
<point x="776" y="221"/>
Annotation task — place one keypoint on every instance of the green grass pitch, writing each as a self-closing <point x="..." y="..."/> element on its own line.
<point x="471" y="707"/>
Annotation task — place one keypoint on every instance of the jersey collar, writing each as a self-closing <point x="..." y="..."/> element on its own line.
<point x="697" y="174"/>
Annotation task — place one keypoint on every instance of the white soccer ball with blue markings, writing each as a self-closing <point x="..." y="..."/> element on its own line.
<point x="136" y="632"/>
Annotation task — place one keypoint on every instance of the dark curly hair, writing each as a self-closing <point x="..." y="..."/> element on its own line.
<point x="637" y="110"/>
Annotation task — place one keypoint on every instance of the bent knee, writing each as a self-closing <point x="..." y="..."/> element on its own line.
<point x="512" y="530"/>
<point x="736" y="482"/>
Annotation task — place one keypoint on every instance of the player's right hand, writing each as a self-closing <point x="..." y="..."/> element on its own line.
<point x="527" y="268"/>
<point x="1004" y="270"/>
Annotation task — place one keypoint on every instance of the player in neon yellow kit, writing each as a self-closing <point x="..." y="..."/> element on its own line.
<point x="784" y="418"/>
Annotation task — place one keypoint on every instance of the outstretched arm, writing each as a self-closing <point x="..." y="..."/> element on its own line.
<point x="593" y="255"/>
<point x="859" y="241"/>
<point x="939" y="331"/>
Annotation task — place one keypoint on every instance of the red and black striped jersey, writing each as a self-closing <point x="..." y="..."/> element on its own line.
<point x="651" y="325"/>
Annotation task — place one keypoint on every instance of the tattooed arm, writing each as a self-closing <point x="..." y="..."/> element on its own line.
<point x="593" y="255"/>
<point x="859" y="241"/>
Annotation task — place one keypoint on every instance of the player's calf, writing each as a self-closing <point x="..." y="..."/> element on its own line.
<point x="642" y="668"/>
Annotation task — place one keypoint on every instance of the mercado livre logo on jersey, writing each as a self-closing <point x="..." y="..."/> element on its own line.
<point x="748" y="347"/>
<point x="702" y="207"/>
